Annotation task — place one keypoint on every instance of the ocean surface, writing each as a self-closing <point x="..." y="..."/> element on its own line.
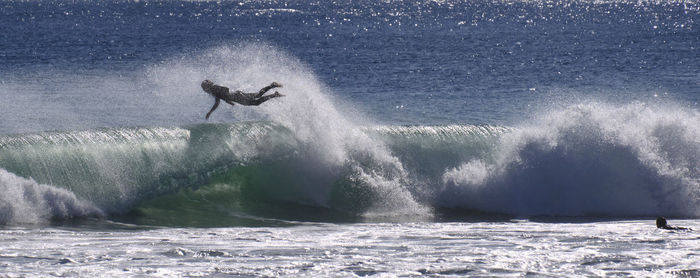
<point x="415" y="138"/>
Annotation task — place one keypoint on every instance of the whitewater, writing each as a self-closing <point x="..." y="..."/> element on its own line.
<point x="436" y="138"/>
<point x="623" y="248"/>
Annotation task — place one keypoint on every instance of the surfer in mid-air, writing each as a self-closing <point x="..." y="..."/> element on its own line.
<point x="223" y="93"/>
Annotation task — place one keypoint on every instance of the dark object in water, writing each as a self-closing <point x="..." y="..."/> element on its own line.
<point x="661" y="224"/>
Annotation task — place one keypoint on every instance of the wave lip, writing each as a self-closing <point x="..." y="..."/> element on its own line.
<point x="588" y="159"/>
<point x="24" y="201"/>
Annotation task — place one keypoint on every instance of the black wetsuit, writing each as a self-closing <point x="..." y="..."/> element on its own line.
<point x="248" y="99"/>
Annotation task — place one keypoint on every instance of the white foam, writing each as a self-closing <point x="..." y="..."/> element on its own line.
<point x="591" y="158"/>
<point x="24" y="201"/>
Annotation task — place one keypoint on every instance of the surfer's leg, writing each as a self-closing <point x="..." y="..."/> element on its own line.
<point x="247" y="99"/>
<point x="267" y="88"/>
<point x="260" y="100"/>
<point x="242" y="98"/>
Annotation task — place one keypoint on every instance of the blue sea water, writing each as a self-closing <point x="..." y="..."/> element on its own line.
<point x="416" y="138"/>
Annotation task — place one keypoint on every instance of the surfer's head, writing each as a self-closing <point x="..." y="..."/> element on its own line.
<point x="206" y="85"/>
<point x="661" y="222"/>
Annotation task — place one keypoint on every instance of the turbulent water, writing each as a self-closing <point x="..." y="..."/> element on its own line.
<point x="623" y="248"/>
<point x="429" y="138"/>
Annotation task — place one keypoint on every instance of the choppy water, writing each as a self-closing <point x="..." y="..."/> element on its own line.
<point x="429" y="138"/>
<point x="620" y="248"/>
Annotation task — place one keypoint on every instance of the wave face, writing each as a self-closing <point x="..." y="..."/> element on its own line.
<point x="588" y="159"/>
<point x="115" y="168"/>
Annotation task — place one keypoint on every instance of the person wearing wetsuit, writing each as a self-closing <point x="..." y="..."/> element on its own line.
<point x="248" y="99"/>
<point x="662" y="224"/>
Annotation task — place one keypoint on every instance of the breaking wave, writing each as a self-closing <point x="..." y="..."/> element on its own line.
<point x="586" y="160"/>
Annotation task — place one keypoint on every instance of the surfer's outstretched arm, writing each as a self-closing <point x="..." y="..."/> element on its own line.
<point x="267" y="88"/>
<point x="216" y="104"/>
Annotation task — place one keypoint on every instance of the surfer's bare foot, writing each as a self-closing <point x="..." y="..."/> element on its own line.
<point x="277" y="94"/>
<point x="276" y="85"/>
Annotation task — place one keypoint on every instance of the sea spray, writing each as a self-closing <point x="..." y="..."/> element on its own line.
<point x="588" y="159"/>
<point x="331" y="148"/>
<point x="333" y="142"/>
